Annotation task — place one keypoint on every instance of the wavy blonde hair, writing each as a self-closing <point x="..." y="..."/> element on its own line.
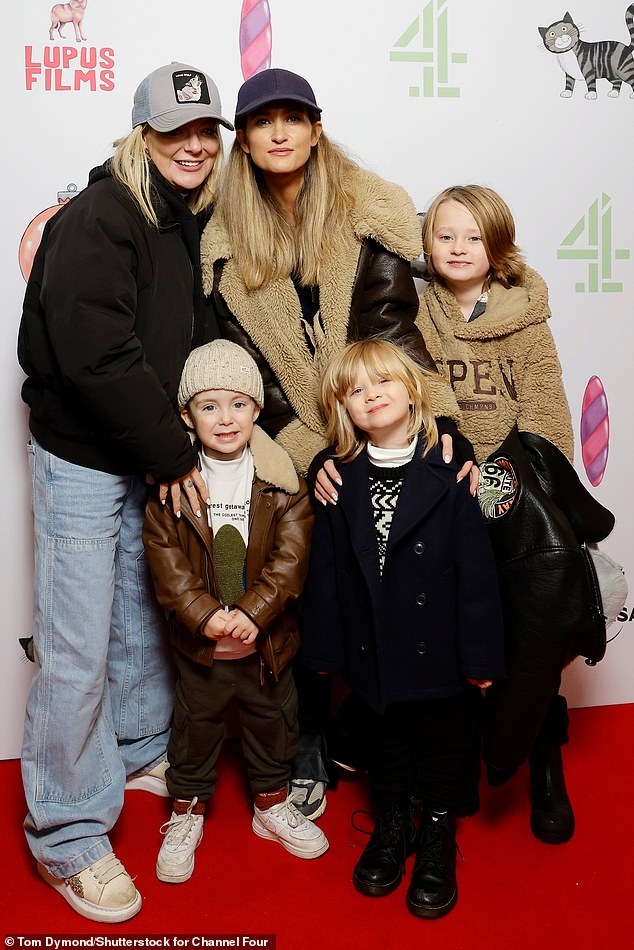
<point x="381" y="360"/>
<point x="264" y="244"/>
<point x="131" y="166"/>
<point x="497" y="230"/>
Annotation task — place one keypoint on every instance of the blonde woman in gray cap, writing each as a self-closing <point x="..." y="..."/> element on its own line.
<point x="231" y="583"/>
<point x="112" y="309"/>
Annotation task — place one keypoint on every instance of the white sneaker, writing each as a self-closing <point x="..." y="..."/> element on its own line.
<point x="183" y="834"/>
<point x="104" y="891"/>
<point x="150" y="780"/>
<point x="309" y="797"/>
<point x="284" y="823"/>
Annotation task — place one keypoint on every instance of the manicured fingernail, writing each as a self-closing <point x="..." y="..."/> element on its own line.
<point x="323" y="501"/>
<point x="446" y="459"/>
<point x="199" y="514"/>
<point x="459" y="478"/>
<point x="334" y="498"/>
<point x="178" y="514"/>
<point x="338" y="482"/>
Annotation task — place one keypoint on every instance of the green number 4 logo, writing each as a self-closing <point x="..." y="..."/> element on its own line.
<point x="591" y="240"/>
<point x="426" y="40"/>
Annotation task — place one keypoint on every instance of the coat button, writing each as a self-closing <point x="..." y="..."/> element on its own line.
<point x="421" y="600"/>
<point x="419" y="547"/>
<point x="421" y="647"/>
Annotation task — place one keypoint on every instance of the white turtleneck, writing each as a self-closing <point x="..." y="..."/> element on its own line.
<point x="391" y="458"/>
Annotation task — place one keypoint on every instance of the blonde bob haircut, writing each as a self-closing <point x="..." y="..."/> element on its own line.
<point x="497" y="230"/>
<point x="131" y="166"/>
<point x="265" y="245"/>
<point x="381" y="360"/>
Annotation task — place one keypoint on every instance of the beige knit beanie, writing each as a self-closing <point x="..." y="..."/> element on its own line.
<point x="220" y="365"/>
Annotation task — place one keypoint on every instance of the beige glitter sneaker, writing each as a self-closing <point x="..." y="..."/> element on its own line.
<point x="150" y="780"/>
<point x="104" y="891"/>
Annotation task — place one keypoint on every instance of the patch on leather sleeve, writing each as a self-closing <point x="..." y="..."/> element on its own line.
<point x="497" y="489"/>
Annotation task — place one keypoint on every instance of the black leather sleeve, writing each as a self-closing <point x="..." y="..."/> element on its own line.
<point x="385" y="302"/>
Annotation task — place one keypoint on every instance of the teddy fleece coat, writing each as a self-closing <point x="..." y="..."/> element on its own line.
<point x="507" y="378"/>
<point x="366" y="290"/>
<point x="503" y="366"/>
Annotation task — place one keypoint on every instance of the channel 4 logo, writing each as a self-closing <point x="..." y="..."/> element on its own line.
<point x="590" y="241"/>
<point x="426" y="42"/>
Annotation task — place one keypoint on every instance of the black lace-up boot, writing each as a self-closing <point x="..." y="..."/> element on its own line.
<point x="433" y="890"/>
<point x="380" y="867"/>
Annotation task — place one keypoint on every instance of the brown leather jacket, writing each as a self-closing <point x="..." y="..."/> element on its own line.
<point x="179" y="552"/>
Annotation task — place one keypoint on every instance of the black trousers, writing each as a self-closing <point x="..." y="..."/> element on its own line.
<point x="313" y="691"/>
<point x="427" y="749"/>
<point x="554" y="727"/>
<point x="268" y="720"/>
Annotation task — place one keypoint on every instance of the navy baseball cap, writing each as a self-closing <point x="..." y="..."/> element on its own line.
<point x="273" y="85"/>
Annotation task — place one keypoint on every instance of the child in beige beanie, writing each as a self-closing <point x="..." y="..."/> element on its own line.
<point x="231" y="583"/>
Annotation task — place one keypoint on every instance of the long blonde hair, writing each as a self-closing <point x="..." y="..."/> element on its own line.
<point x="497" y="230"/>
<point x="382" y="360"/>
<point x="131" y="166"/>
<point x="265" y="245"/>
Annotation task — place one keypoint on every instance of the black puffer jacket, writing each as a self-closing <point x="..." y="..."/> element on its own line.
<point x="108" y="321"/>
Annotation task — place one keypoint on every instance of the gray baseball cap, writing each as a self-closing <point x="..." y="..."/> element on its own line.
<point x="176" y="94"/>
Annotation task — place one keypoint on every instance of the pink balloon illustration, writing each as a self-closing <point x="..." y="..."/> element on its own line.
<point x="595" y="430"/>
<point x="33" y="234"/>
<point x="255" y="37"/>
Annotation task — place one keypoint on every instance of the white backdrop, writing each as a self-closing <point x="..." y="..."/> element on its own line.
<point x="425" y="92"/>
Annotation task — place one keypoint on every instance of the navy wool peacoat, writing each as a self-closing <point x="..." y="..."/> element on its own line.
<point x="433" y="619"/>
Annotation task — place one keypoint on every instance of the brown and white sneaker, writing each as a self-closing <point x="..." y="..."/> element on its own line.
<point x="104" y="891"/>
<point x="282" y="822"/>
<point x="183" y="833"/>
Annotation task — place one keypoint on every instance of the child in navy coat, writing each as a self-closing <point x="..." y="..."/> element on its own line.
<point x="402" y="600"/>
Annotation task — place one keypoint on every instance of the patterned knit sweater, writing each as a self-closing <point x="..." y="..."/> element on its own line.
<point x="385" y="487"/>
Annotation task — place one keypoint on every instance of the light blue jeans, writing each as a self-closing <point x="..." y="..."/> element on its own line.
<point x="100" y="703"/>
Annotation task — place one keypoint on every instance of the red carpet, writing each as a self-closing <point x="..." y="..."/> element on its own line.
<point x="513" y="890"/>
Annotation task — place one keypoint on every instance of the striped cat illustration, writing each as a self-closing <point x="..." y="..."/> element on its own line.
<point x="606" y="59"/>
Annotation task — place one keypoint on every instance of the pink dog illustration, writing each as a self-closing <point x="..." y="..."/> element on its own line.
<point x="72" y="12"/>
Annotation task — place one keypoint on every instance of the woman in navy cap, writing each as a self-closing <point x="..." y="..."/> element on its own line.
<point x="113" y="306"/>
<point x="306" y="252"/>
